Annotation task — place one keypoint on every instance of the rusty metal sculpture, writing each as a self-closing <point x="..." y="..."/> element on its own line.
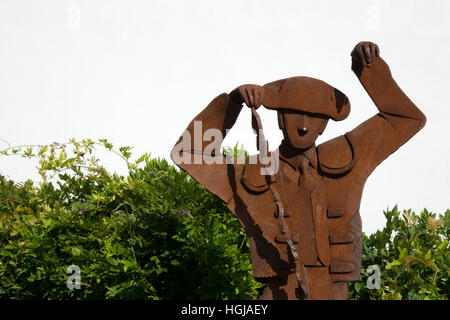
<point x="301" y="215"/>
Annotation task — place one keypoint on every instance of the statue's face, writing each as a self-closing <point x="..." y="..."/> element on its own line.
<point x="300" y="129"/>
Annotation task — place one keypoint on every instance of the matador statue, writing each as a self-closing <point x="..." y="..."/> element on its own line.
<point x="299" y="205"/>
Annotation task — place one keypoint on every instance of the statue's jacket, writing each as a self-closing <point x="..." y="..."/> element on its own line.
<point x="333" y="236"/>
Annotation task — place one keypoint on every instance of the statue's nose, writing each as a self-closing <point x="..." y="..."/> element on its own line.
<point x="303" y="123"/>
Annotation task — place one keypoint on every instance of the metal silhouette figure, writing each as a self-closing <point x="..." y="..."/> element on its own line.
<point x="301" y="215"/>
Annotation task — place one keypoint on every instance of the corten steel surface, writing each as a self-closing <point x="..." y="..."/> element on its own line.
<point x="302" y="219"/>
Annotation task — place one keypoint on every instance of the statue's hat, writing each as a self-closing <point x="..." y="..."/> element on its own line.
<point x="308" y="95"/>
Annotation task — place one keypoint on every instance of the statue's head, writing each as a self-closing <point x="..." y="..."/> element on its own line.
<point x="304" y="106"/>
<point x="301" y="129"/>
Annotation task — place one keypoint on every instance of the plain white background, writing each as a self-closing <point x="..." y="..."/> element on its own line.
<point x="136" y="72"/>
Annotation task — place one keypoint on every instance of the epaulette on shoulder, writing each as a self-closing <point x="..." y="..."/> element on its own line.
<point x="337" y="156"/>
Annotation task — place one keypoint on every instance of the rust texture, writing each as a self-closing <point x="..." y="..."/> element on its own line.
<point x="302" y="216"/>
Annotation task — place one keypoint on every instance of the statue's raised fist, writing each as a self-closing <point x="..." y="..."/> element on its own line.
<point x="364" y="54"/>
<point x="251" y="94"/>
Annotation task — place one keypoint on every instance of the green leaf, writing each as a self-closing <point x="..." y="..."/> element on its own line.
<point x="112" y="261"/>
<point x="392" y="264"/>
<point x="443" y="245"/>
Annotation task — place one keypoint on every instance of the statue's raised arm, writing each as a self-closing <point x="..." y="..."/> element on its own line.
<point x="398" y="118"/>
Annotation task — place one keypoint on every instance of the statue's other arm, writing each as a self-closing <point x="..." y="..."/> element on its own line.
<point x="197" y="151"/>
<point x="398" y="119"/>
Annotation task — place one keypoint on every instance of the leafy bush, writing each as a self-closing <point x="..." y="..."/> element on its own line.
<point x="412" y="252"/>
<point x="155" y="234"/>
<point x="158" y="234"/>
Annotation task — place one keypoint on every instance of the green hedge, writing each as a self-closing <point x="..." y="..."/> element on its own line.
<point x="158" y="234"/>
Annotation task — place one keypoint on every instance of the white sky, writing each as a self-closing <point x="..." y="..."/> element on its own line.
<point x="136" y="72"/>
